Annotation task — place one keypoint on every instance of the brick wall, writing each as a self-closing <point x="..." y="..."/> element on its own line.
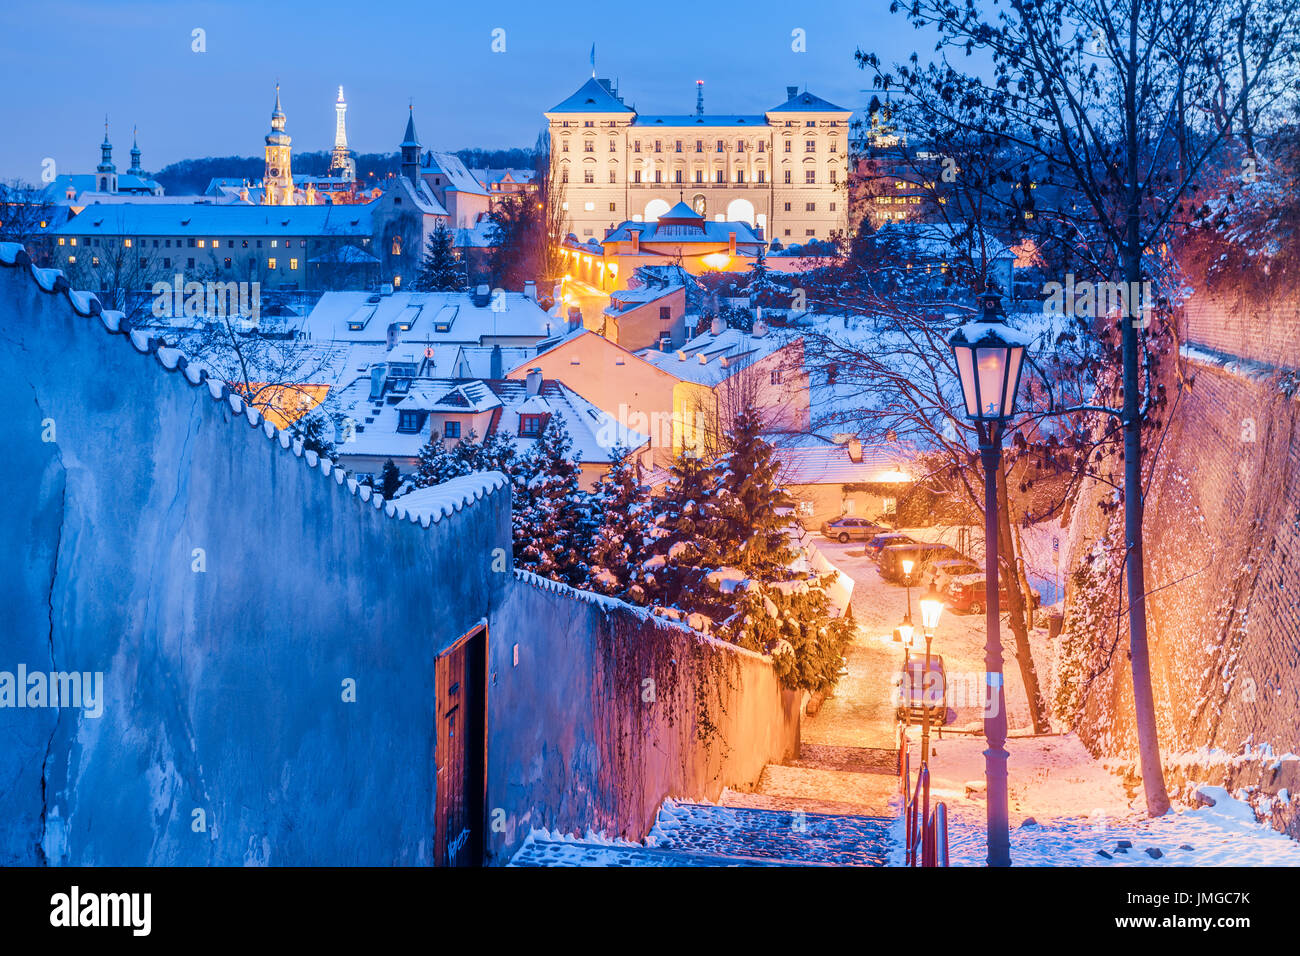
<point x="1222" y="536"/>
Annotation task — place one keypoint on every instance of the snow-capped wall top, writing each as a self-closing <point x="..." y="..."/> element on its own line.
<point x="436" y="502"/>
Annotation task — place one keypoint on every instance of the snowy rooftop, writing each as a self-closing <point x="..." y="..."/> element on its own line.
<point x="701" y="230"/>
<point x="436" y="318"/>
<point x="594" y="96"/>
<point x="453" y="169"/>
<point x="815" y="461"/>
<point x="594" y="432"/>
<point x="709" y="359"/>
<point x="198" y="220"/>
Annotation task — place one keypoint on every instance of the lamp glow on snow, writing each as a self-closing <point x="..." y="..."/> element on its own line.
<point x="931" y="608"/>
<point x="990" y="356"/>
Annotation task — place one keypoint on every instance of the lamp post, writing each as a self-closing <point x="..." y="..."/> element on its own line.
<point x="989" y="356"/>
<point x="908" y="564"/>
<point x="904" y="633"/>
<point x="931" y="607"/>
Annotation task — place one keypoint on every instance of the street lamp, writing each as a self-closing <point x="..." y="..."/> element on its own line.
<point x="931" y="607"/>
<point x="908" y="564"/>
<point x="989" y="356"/>
<point x="904" y="633"/>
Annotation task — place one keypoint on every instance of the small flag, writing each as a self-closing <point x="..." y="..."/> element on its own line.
<point x="593" y="59"/>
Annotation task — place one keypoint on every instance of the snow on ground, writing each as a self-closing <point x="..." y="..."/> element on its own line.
<point x="1065" y="807"/>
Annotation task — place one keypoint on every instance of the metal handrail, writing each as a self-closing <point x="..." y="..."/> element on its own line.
<point x="927" y="830"/>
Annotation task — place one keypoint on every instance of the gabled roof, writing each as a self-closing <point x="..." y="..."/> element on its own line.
<point x="709" y="359"/>
<point x="594" y="96"/>
<point x="435" y="318"/>
<point x="195" y="219"/>
<point x="806" y="102"/>
<point x="692" y="119"/>
<point x="459" y="178"/>
<point x="816" y="461"/>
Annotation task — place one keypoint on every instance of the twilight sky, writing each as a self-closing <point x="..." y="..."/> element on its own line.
<point x="67" y="63"/>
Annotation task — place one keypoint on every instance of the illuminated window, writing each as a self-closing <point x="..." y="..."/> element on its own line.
<point x="274" y="242"/>
<point x="201" y="243"/>
<point x="60" y="240"/>
<point x="74" y="240"/>
<point x="397" y="282"/>
<point x="270" y="263"/>
<point x="293" y="263"/>
<point x="127" y="243"/>
<point x="226" y="262"/>
<point x="71" y="259"/>
<point x="94" y="260"/>
<point x="397" y="245"/>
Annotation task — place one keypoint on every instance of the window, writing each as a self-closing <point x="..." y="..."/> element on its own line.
<point x="699" y="145"/>
<point x="832" y="207"/>
<point x="658" y="146"/>
<point x="293" y="263"/>
<point x="721" y="176"/>
<point x="678" y="146"/>
<point x="451" y="429"/>
<point x="810" y="146"/>
<point x="834" y="177"/>
<point x="190" y="243"/>
<point x="71" y="260"/>
<point x="588" y="175"/>
<point x="847" y="504"/>
<point x="589" y="123"/>
<point x="530" y="426"/>
<point x="719" y="149"/>
<point x="665" y="341"/>
<point x="270" y="263"/>
<point x="564" y="175"/>
<point x="225" y="262"/>
<point x="762" y="175"/>
<point x="812" y="123"/>
<point x="242" y="245"/>
<point x="127" y="243"/>
<point x="699" y="175"/>
<point x="144" y="263"/>
<point x="167" y="263"/>
<point x="810" y="207"/>
<point x="636" y="146"/>
<point x="833" y="145"/>
<point x="612" y="146"/>
<point x="787" y="177"/>
<point x="564" y="146"/>
<point x="409" y="422"/>
<point x="740" y="175"/>
<point x="659" y="176"/>
<point x="397" y="247"/>
<point x="787" y="207"/>
<point x="189" y="263"/>
<point x="776" y="376"/>
<point x="613" y="207"/>
<point x="613" y="175"/>
<point x="740" y="146"/>
<point x="636" y="175"/>
<point x="677" y="175"/>
<point x="588" y="146"/>
<point x="810" y="176"/>
<point x="810" y="232"/>
<point x="230" y="243"/>
<point x="788" y="144"/>
<point x="275" y="243"/>
<point x="665" y="313"/>
<point x="762" y="146"/>
<point x="889" y="505"/>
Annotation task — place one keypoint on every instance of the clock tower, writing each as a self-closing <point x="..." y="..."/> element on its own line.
<point x="277" y="181"/>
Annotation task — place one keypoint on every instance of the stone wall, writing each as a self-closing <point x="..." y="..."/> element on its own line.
<point x="1222" y="537"/>
<point x="226" y="586"/>
<point x="607" y="711"/>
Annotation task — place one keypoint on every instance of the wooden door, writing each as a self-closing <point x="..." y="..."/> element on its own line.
<point x="460" y="751"/>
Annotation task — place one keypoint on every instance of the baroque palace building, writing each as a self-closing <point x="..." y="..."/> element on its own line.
<point x="783" y="171"/>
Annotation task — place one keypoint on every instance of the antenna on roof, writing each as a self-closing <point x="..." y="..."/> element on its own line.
<point x="699" y="97"/>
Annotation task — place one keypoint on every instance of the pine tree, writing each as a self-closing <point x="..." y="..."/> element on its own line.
<point x="441" y="270"/>
<point x="623" y="513"/>
<point x="552" y="519"/>
<point x="390" y="481"/>
<point x="314" y="430"/>
<point x="439" y="463"/>
<point x="679" y="562"/>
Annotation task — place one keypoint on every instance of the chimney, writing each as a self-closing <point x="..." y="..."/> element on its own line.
<point x="731" y="243"/>
<point x="533" y="381"/>
<point x="482" y="293"/>
<point x="575" y="318"/>
<point x="791" y="92"/>
<point x="718" y="326"/>
<point x="530" y="289"/>
<point x="855" y="450"/>
<point x="495" y="369"/>
<point x="759" y="329"/>
<point x="376" y="382"/>
<point x="636" y="240"/>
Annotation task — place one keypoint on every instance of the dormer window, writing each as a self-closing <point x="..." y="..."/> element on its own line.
<point x="530" y="426"/>
<point x="410" y="422"/>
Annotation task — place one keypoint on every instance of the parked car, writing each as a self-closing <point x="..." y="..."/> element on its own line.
<point x="848" y="528"/>
<point x="943" y="572"/>
<point x="923" y="555"/>
<point x="919" y="691"/>
<point x="881" y="541"/>
<point x="967" y="594"/>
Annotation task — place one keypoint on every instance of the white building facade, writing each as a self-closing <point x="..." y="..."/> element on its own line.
<point x="782" y="171"/>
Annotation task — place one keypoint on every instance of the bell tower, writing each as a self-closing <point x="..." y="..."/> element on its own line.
<point x="411" y="151"/>
<point x="277" y="182"/>
<point x="106" y="172"/>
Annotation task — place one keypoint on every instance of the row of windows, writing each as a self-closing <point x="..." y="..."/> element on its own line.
<point x="590" y="124"/>
<point x="271" y="263"/>
<point x="719" y="176"/>
<point x="809" y="146"/>
<point x="190" y="243"/>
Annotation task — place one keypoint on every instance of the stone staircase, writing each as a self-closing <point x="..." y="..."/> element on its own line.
<point x="830" y="807"/>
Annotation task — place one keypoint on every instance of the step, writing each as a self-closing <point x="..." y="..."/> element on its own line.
<point x="871" y="793"/>
<point x="748" y="833"/>
<point x="562" y="853"/>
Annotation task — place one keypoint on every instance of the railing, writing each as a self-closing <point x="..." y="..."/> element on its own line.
<point x="927" y="833"/>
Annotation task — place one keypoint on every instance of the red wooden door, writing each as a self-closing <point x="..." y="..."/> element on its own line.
<point x="459" y="751"/>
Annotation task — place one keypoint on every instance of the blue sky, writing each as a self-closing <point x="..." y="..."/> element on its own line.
<point x="67" y="63"/>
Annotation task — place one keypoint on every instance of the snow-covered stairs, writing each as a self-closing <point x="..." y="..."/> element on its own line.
<point x="830" y="807"/>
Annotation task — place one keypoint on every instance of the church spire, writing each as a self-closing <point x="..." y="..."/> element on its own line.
<point x="411" y="150"/>
<point x="135" y="153"/>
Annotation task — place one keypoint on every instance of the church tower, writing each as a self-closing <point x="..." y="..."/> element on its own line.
<point x="411" y="152"/>
<point x="135" y="169"/>
<point x="341" y="161"/>
<point x="278" y="180"/>
<point x="106" y="172"/>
